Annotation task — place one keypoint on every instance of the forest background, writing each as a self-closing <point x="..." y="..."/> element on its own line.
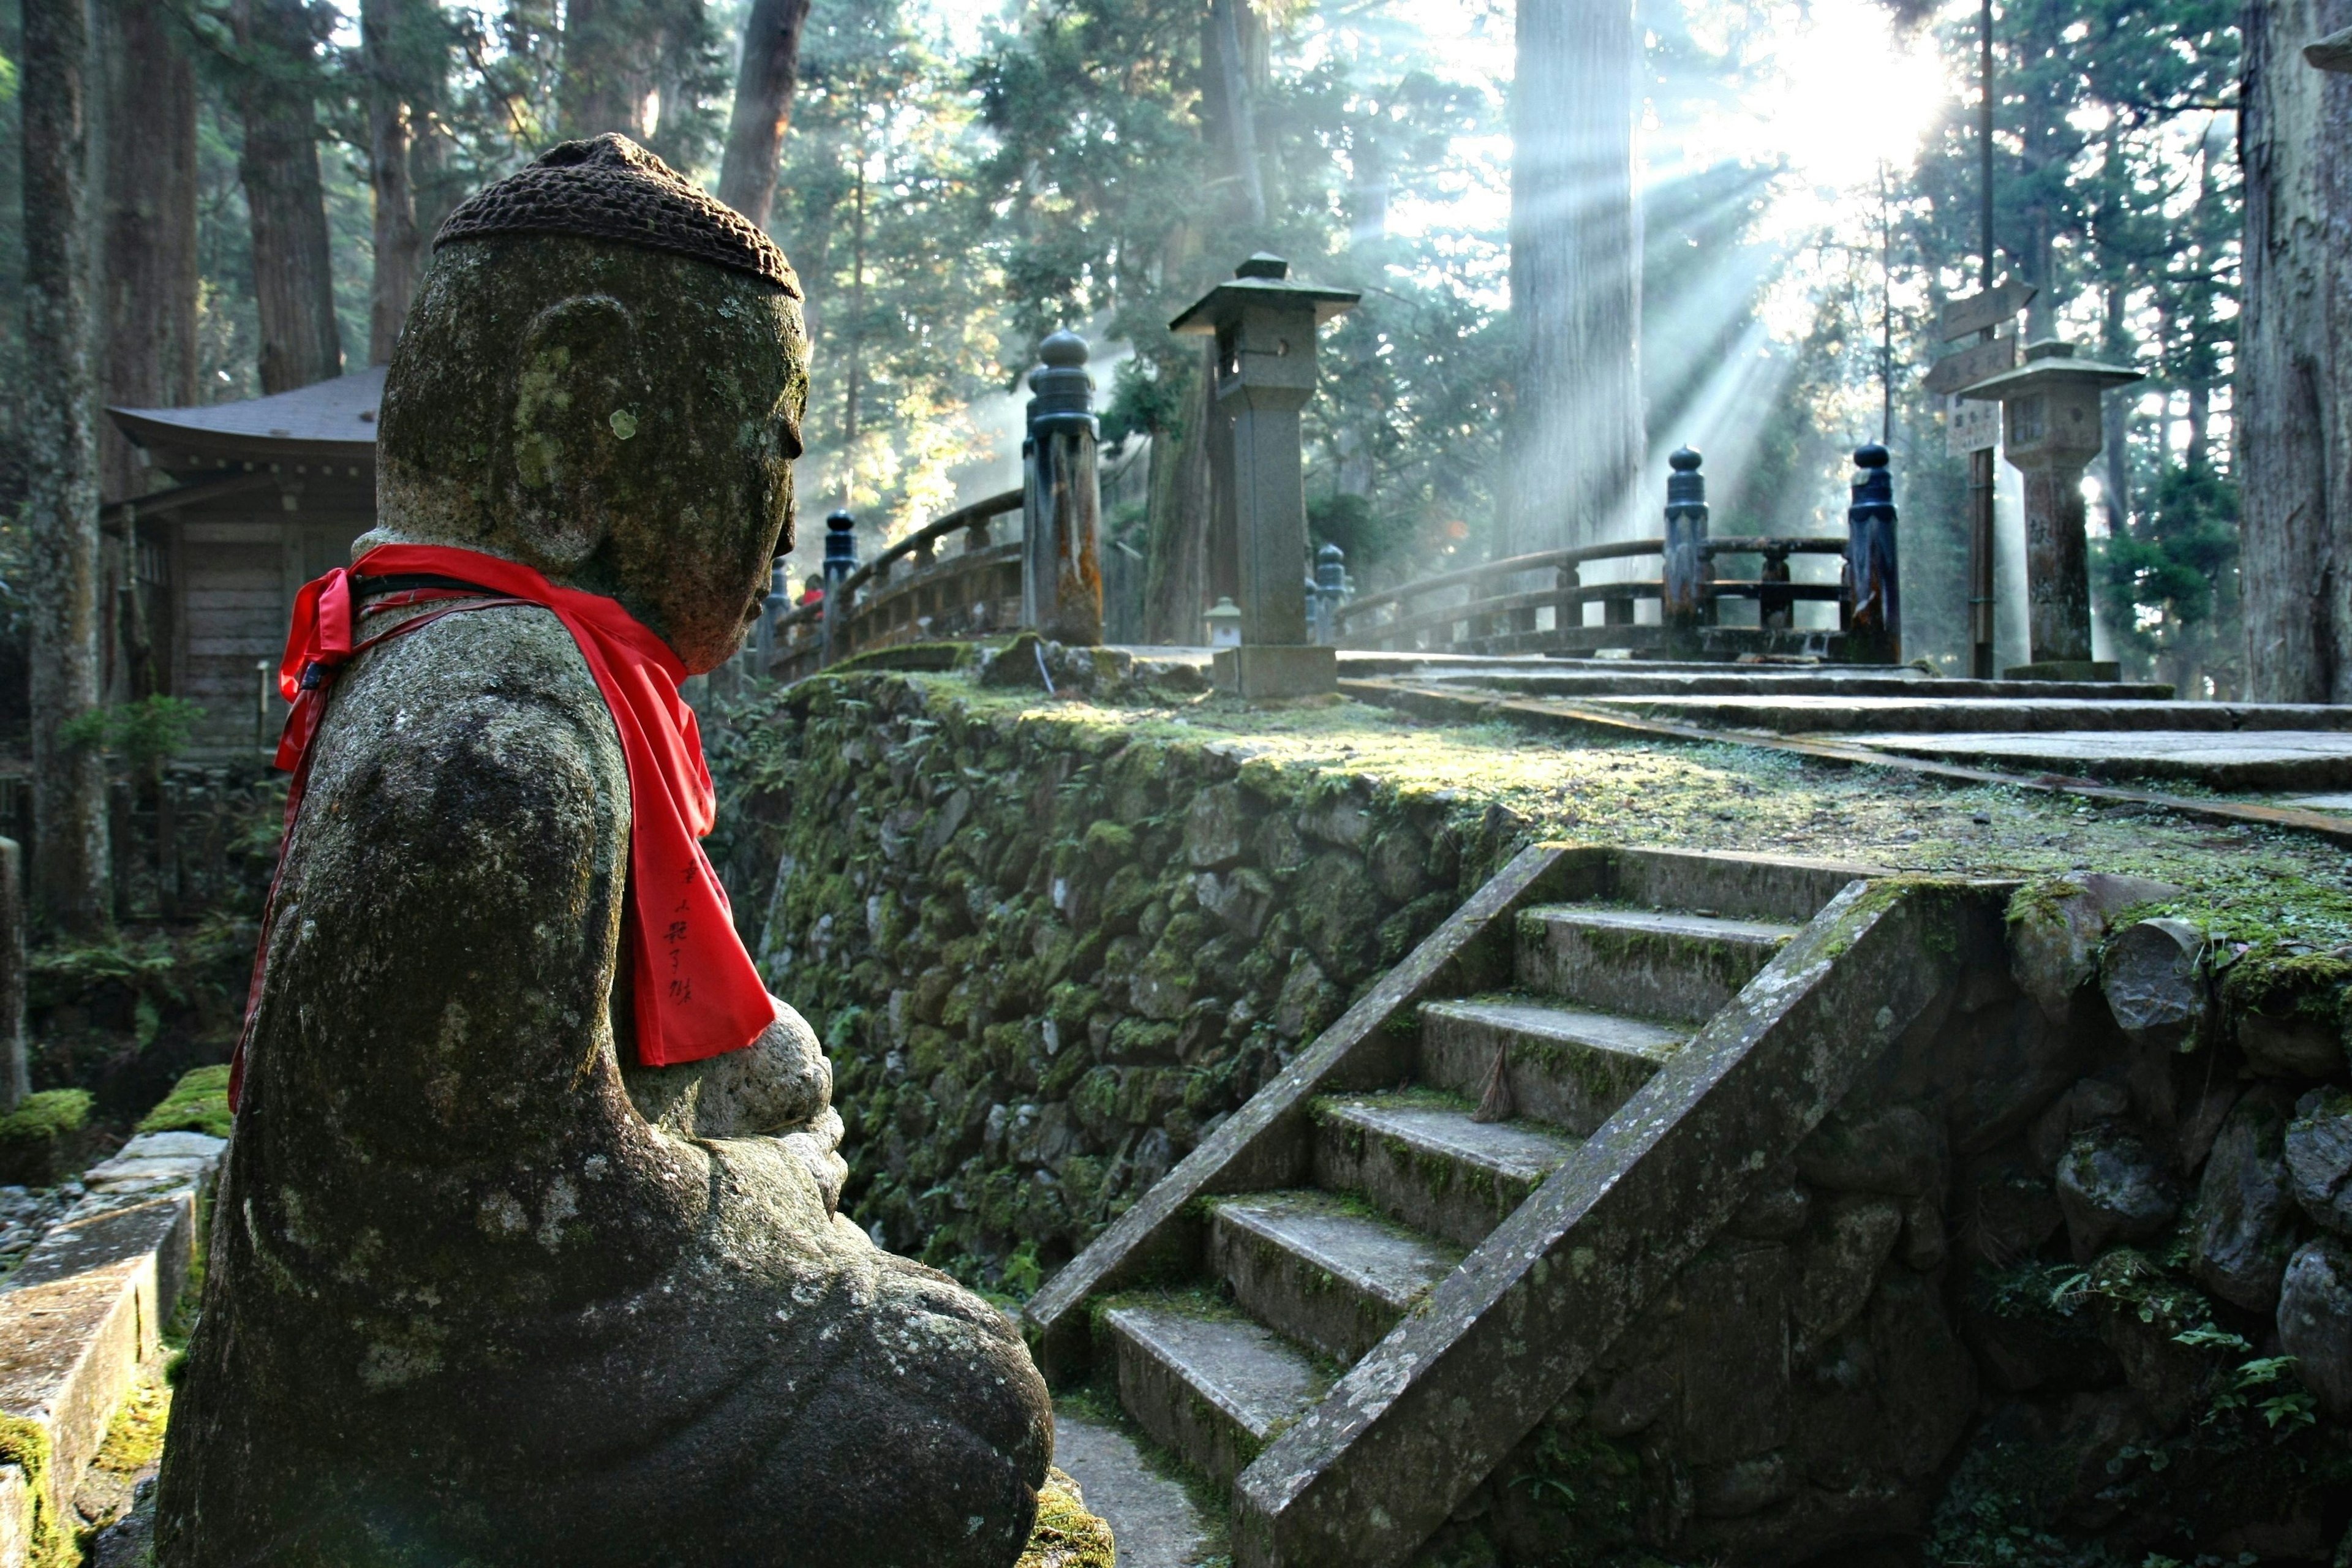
<point x="960" y="177"/>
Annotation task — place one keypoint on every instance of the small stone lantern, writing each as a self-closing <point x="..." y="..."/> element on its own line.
<point x="1264" y="326"/>
<point x="1224" y="624"/>
<point x="2050" y="432"/>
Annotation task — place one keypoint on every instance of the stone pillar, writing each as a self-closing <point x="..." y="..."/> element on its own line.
<point x="840" y="560"/>
<point x="1683" y="577"/>
<point x="2050" y="432"/>
<point x="1264" y="327"/>
<point x="1873" y="633"/>
<point x="1061" y="546"/>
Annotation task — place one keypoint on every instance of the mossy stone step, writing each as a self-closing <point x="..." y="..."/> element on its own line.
<point x="1568" y="1066"/>
<point x="1213" y="1387"/>
<point x="1652" y="963"/>
<point x="1419" y="1156"/>
<point x="1321" y="1270"/>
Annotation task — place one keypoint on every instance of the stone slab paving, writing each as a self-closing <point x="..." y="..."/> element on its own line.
<point x="1801" y="713"/>
<point x="2265" y="760"/>
<point x="1155" y="1521"/>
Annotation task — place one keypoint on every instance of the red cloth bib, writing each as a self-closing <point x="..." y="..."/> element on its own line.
<point x="697" y="992"/>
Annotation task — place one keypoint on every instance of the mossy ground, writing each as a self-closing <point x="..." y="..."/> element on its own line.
<point x="1724" y="796"/>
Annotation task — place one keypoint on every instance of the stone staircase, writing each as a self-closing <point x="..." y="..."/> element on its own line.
<point x="1353" y="1299"/>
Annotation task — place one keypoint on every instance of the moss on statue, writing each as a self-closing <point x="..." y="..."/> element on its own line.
<point x="1066" y="1535"/>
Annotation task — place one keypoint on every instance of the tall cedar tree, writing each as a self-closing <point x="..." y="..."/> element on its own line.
<point x="61" y="509"/>
<point x="763" y="106"/>
<point x="1577" y="435"/>
<point x="147" y="256"/>
<point x="2294" y="368"/>
<point x="278" y="82"/>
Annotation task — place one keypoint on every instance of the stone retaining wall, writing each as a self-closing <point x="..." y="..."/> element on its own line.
<point x="2068" y="1281"/>
<point x="1045" y="960"/>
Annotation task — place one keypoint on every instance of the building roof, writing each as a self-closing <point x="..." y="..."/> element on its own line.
<point x="332" y="421"/>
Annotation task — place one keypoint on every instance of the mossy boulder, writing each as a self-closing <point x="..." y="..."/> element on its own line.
<point x="42" y="1142"/>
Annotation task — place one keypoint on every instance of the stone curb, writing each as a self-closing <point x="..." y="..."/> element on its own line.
<point x="86" y="1308"/>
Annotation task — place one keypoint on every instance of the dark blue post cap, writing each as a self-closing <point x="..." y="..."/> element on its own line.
<point x="1685" y="486"/>
<point x="1065" y="391"/>
<point x="840" y="543"/>
<point x="1873" y="483"/>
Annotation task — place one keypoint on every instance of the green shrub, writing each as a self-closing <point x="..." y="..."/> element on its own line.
<point x="40" y="1137"/>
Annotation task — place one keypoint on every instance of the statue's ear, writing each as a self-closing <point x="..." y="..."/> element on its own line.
<point x="579" y="393"/>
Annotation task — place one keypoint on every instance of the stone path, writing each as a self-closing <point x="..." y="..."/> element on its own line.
<point x="2262" y="759"/>
<point x="1803" y="712"/>
<point x="1154" y="1520"/>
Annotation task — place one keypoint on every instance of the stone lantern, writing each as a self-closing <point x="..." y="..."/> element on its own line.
<point x="1264" y="326"/>
<point x="2050" y="432"/>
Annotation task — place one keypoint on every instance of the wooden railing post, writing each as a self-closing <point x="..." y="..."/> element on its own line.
<point x="1568" y="610"/>
<point x="1330" y="588"/>
<point x="1683" y="594"/>
<point x="1774" y="611"/>
<point x="779" y="602"/>
<point x="1873" y="597"/>
<point x="1061" y="550"/>
<point x="840" y="560"/>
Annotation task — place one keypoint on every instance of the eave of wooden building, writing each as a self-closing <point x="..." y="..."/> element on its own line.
<point x="264" y="495"/>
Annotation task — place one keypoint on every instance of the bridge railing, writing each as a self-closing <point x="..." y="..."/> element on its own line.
<point x="1499" y="606"/>
<point x="911" y="592"/>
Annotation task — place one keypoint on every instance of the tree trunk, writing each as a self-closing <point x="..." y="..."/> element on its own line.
<point x="1177" y="580"/>
<point x="763" y="106"/>
<point x="293" y="277"/>
<point x="852" y="383"/>
<point x="1229" y="104"/>
<point x="390" y="108"/>
<point x="1576" y="437"/>
<point x="61" y="503"/>
<point x="610" y="50"/>
<point x="2115" y="420"/>
<point x="2292" y="400"/>
<point x="149" y="306"/>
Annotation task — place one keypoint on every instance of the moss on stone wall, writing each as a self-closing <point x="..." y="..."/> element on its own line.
<point x="1048" y="955"/>
<point x="1050" y="942"/>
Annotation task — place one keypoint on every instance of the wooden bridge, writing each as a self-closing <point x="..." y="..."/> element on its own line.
<point x="960" y="576"/>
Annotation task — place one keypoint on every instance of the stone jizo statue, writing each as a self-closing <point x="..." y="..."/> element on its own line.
<point x="483" y="1289"/>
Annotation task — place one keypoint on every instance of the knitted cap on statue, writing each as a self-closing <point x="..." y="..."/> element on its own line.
<point x="482" y="1289"/>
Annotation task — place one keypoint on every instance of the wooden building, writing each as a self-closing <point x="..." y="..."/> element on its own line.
<point x="262" y="496"/>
